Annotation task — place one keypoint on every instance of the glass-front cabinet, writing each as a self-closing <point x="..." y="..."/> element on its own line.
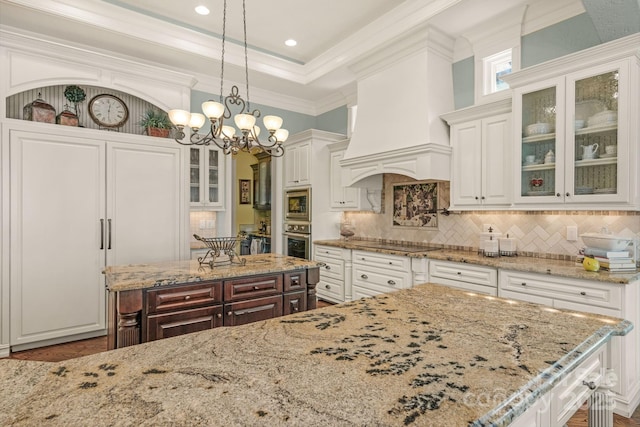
<point x="205" y="175"/>
<point x="572" y="135"/>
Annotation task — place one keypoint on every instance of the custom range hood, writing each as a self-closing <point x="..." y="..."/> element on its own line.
<point x="402" y="90"/>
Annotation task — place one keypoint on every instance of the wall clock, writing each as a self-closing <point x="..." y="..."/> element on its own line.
<point x="108" y="110"/>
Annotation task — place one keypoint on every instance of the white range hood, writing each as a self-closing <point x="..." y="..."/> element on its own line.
<point x="402" y="91"/>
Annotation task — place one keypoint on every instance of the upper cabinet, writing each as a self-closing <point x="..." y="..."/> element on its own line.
<point x="573" y="138"/>
<point x="342" y="197"/>
<point x="297" y="165"/>
<point x="206" y="177"/>
<point x="576" y="129"/>
<point x="481" y="141"/>
<point x="262" y="182"/>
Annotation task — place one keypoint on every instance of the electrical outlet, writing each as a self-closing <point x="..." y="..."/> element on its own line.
<point x="203" y="224"/>
<point x="572" y="233"/>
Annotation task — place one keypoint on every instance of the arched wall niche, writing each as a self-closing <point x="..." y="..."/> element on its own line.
<point x="54" y="95"/>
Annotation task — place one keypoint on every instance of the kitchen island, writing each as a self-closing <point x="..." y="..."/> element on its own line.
<point x="425" y="356"/>
<point x="160" y="300"/>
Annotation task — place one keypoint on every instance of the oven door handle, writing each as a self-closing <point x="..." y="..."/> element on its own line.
<point x="296" y="235"/>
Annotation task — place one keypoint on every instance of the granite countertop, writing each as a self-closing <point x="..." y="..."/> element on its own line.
<point x="425" y="356"/>
<point x="518" y="263"/>
<point x="140" y="276"/>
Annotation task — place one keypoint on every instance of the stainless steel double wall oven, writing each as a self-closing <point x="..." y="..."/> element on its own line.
<point x="297" y="226"/>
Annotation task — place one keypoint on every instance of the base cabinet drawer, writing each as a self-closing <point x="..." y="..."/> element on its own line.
<point x="243" y="312"/>
<point x="168" y="325"/>
<point x="360" y="292"/>
<point x="380" y="279"/>
<point x="460" y="272"/>
<point x="374" y="259"/>
<point x="331" y="268"/>
<point x="253" y="287"/>
<point x="294" y="302"/>
<point x="330" y="289"/>
<point x="182" y="297"/>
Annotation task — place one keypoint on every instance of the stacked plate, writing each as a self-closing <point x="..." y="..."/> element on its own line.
<point x="603" y="118"/>
<point x="584" y="190"/>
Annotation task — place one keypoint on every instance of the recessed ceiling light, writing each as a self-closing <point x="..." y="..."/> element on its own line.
<point x="202" y="10"/>
<point x="291" y="42"/>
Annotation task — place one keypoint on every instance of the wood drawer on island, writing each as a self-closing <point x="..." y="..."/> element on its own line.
<point x="181" y="322"/>
<point x="253" y="310"/>
<point x="183" y="297"/>
<point x="252" y="287"/>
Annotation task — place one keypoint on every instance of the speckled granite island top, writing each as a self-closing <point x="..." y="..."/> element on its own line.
<point x="139" y="276"/>
<point x="426" y="356"/>
<point x="518" y="263"/>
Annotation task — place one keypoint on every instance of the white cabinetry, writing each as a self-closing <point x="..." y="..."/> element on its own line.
<point x="78" y="204"/>
<point x="375" y="273"/>
<point x="206" y="178"/>
<point x="584" y="110"/>
<point x="346" y="198"/>
<point x="603" y="298"/>
<point x="335" y="273"/>
<point x="297" y="165"/>
<point x="481" y="156"/>
<point x="475" y="278"/>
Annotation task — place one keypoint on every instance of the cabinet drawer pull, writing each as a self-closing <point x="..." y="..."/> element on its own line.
<point x="583" y="293"/>
<point x="219" y="315"/>
<point x="364" y="276"/>
<point x="187" y="298"/>
<point x="229" y="313"/>
<point x="390" y="262"/>
<point x="459" y="273"/>
<point x="295" y="283"/>
<point x="327" y="286"/>
<point x="391" y="282"/>
<point x="328" y="267"/>
<point x="590" y="384"/>
<point x="101" y="233"/>
<point x="523" y="284"/>
<point x="255" y="288"/>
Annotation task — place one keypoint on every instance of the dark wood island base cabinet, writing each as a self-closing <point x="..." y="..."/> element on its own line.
<point x="142" y="315"/>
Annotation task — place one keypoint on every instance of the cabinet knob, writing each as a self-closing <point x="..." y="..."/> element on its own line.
<point x="391" y="282"/>
<point x="219" y="315"/>
<point x="459" y="272"/>
<point x="557" y="194"/>
<point x="255" y="288"/>
<point x="523" y="284"/>
<point x="567" y="194"/>
<point x="390" y="262"/>
<point x="583" y="293"/>
<point x="187" y="298"/>
<point x="364" y="276"/>
<point x="476" y="197"/>
<point x="295" y="308"/>
<point x="328" y="267"/>
<point x="590" y="384"/>
<point x="482" y="197"/>
<point x="327" y="286"/>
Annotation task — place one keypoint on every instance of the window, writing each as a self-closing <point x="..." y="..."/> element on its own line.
<point x="496" y="66"/>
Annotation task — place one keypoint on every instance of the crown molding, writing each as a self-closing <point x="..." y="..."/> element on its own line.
<point x="544" y="13"/>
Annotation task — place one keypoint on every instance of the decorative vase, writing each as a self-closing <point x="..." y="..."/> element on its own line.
<point x="162" y="133"/>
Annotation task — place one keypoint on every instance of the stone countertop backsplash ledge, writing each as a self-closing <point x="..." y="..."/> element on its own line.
<point x="558" y="265"/>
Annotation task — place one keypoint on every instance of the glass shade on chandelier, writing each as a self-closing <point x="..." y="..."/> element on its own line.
<point x="222" y="134"/>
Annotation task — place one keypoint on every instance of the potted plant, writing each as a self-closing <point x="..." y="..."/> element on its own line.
<point x="156" y="123"/>
<point x="75" y="94"/>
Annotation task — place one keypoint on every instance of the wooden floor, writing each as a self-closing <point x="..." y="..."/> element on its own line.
<point x="60" y="352"/>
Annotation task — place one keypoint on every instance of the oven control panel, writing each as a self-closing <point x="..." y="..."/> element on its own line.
<point x="301" y="228"/>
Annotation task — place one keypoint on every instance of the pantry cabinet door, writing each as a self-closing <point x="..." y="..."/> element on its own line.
<point x="466" y="185"/>
<point x="57" y="204"/>
<point x="143" y="203"/>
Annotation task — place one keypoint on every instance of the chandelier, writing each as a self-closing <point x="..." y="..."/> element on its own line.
<point x="221" y="134"/>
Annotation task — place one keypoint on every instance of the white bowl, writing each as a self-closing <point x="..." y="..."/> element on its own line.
<point x="538" y="129"/>
<point x="579" y="124"/>
<point x="607" y="242"/>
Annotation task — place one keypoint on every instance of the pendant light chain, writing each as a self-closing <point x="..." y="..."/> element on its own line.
<point x="246" y="61"/>
<point x="224" y="32"/>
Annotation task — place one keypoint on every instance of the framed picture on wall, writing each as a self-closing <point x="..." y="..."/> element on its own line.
<point x="245" y="191"/>
<point x="415" y="205"/>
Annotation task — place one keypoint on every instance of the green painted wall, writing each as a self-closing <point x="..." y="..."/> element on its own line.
<point x="463" y="83"/>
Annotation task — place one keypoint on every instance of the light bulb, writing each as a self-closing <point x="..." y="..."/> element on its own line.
<point x="197" y="120"/>
<point x="244" y="122"/>
<point x="212" y="109"/>
<point x="281" y="135"/>
<point x="228" y="132"/>
<point x="256" y="132"/>
<point x="179" y="117"/>
<point x="272" y="123"/>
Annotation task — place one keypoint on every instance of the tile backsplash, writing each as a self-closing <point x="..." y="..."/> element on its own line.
<point x="536" y="232"/>
<point x="200" y="219"/>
